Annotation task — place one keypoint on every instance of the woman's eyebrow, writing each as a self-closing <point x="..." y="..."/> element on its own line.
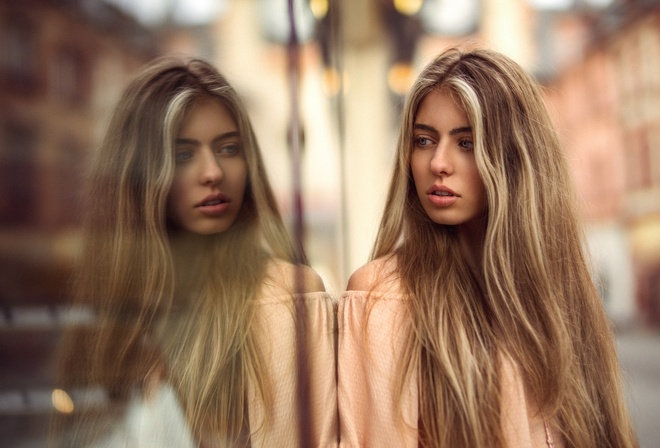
<point x="426" y="127"/>
<point x="226" y="135"/>
<point x="429" y="128"/>
<point x="185" y="141"/>
<point x="460" y="130"/>
<point x="192" y="141"/>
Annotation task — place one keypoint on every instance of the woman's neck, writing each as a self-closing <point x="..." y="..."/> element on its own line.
<point x="471" y="238"/>
<point x="189" y="252"/>
<point x="187" y="244"/>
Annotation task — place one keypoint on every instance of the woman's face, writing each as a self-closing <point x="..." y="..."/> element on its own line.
<point x="211" y="171"/>
<point x="443" y="164"/>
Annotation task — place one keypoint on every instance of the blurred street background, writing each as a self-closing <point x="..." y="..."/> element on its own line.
<point x="63" y="64"/>
<point x="639" y="353"/>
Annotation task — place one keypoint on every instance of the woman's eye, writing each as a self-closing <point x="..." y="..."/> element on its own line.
<point x="422" y="141"/>
<point x="229" y="150"/>
<point x="466" y="144"/>
<point x="182" y="155"/>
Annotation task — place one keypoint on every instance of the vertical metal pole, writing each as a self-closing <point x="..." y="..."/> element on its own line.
<point x="305" y="416"/>
<point x="337" y="59"/>
<point x="295" y="129"/>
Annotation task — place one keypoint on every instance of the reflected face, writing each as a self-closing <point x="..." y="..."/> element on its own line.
<point x="211" y="171"/>
<point x="443" y="163"/>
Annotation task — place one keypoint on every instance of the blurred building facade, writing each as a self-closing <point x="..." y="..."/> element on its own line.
<point x="62" y="64"/>
<point x="605" y="95"/>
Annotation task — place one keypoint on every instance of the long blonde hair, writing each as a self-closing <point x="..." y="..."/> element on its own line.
<point x="532" y="300"/>
<point x="170" y="306"/>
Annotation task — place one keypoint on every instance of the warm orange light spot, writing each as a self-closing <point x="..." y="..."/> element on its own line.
<point x="399" y="78"/>
<point x="62" y="401"/>
<point x="408" y="7"/>
<point x="333" y="82"/>
<point x="319" y="8"/>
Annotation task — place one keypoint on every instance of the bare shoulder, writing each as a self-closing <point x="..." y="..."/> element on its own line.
<point x="285" y="278"/>
<point x="380" y="274"/>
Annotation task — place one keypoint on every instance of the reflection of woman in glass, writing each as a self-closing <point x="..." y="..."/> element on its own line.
<point x="476" y="324"/>
<point x="187" y="261"/>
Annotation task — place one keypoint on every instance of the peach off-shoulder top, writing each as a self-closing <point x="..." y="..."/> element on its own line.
<point x="158" y="421"/>
<point x="369" y="415"/>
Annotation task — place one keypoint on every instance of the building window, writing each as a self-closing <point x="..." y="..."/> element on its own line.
<point x="654" y="147"/>
<point x="19" y="177"/>
<point x="639" y="160"/>
<point x="18" y="54"/>
<point x="70" y="79"/>
<point x="69" y="178"/>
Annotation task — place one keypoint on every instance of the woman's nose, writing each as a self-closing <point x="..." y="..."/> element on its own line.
<point x="441" y="163"/>
<point x="211" y="169"/>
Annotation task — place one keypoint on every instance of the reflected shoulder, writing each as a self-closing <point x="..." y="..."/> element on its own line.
<point x="286" y="276"/>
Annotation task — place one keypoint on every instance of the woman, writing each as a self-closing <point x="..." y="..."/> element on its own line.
<point x="198" y="297"/>
<point x="477" y="324"/>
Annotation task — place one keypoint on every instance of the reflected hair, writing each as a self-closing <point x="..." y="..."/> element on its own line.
<point x="170" y="308"/>
<point x="532" y="300"/>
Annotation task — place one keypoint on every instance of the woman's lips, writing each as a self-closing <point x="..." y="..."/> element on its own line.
<point x="441" y="196"/>
<point x="214" y="205"/>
